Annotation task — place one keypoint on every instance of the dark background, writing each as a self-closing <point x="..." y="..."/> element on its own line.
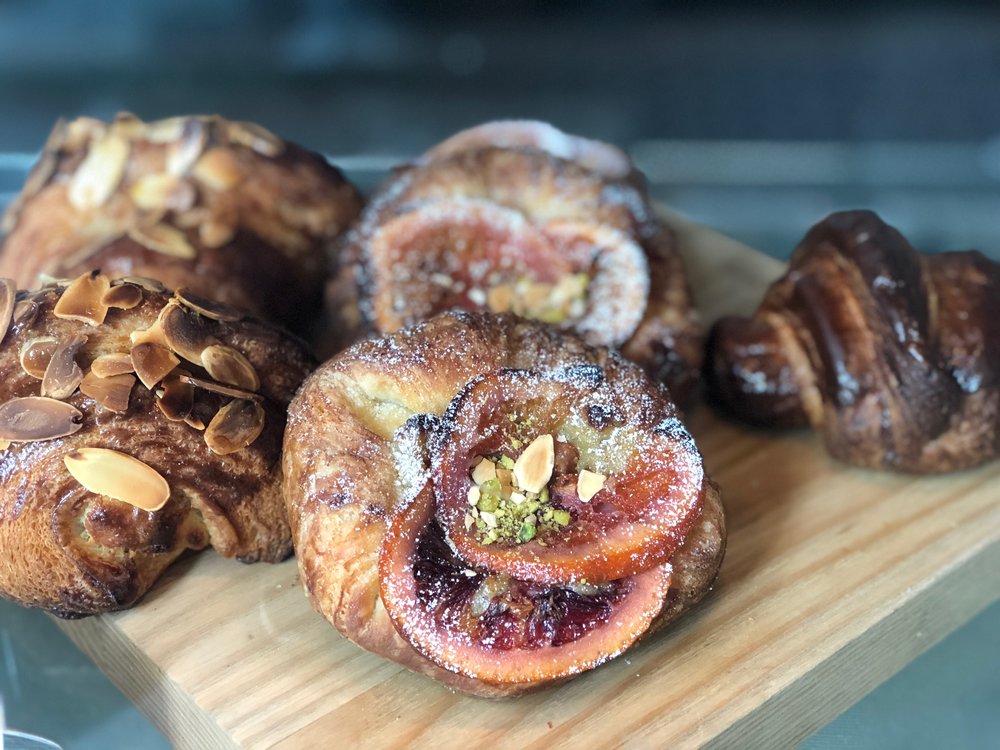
<point x="756" y="118"/>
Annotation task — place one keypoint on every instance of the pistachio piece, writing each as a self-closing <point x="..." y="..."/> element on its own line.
<point x="152" y="363"/>
<point x="229" y="366"/>
<point x="99" y="173"/>
<point x="118" y="476"/>
<point x="8" y="298"/>
<point x="36" y="354"/>
<point x="533" y="468"/>
<point x="38" y="418"/>
<point x="219" y="169"/>
<point x="164" y="239"/>
<point x="588" y="484"/>
<point x="236" y="426"/>
<point x="208" y="308"/>
<point x="122" y="297"/>
<point x="63" y="374"/>
<point x="83" y="299"/>
<point x="111" y="392"/>
<point x="110" y="365"/>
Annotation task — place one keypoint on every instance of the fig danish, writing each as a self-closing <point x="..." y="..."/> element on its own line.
<point x="135" y="424"/>
<point x="224" y="208"/>
<point x="495" y="504"/>
<point x="892" y="355"/>
<point x="510" y="218"/>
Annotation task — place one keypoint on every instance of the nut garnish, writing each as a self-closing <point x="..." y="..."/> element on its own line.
<point x="219" y="169"/>
<point x="208" y="308"/>
<point x="118" y="476"/>
<point x="109" y="365"/>
<point x="175" y="398"/>
<point x="225" y="390"/>
<point x="25" y="313"/>
<point x="261" y="140"/>
<point x="236" y="426"/>
<point x="4" y="445"/>
<point x="163" y="131"/>
<point x="38" y="418"/>
<point x="588" y="484"/>
<point x="216" y="233"/>
<point x="83" y="299"/>
<point x="123" y="297"/>
<point x="184" y="152"/>
<point x="150" y="285"/>
<point x="484" y="470"/>
<point x="99" y="174"/>
<point x="533" y="468"/>
<point x="111" y="392"/>
<point x="152" y="191"/>
<point x="8" y="297"/>
<point x="163" y="239"/>
<point x="63" y="374"/>
<point x="185" y="333"/>
<point x="36" y="354"/>
<point x="152" y="363"/>
<point x="229" y="366"/>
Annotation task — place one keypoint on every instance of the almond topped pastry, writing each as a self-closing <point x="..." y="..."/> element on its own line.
<point x="135" y="424"/>
<point x="894" y="356"/>
<point x="226" y="209"/>
<point x="495" y="504"/>
<point x="518" y="217"/>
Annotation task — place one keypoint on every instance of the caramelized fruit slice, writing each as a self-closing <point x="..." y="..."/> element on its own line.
<point x="650" y="497"/>
<point x="496" y="628"/>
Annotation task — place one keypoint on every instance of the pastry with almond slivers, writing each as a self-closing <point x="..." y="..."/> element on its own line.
<point x="135" y="424"/>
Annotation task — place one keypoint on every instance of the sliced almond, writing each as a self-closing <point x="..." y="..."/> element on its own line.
<point x="153" y="191"/>
<point x="207" y="307"/>
<point x="4" y="445"/>
<point x="123" y="297"/>
<point x="588" y="484"/>
<point x="118" y="476"/>
<point x="533" y="468"/>
<point x="223" y="390"/>
<point x="164" y="131"/>
<point x="110" y="365"/>
<point x="236" y="426"/>
<point x="261" y="140"/>
<point x="36" y="354"/>
<point x="175" y="398"/>
<point x="8" y="298"/>
<point x="37" y="418"/>
<point x="164" y="239"/>
<point x="186" y="333"/>
<point x="150" y="285"/>
<point x="25" y="313"/>
<point x="219" y="169"/>
<point x="83" y="299"/>
<point x="184" y="152"/>
<point x="63" y="375"/>
<point x="152" y="363"/>
<point x="229" y="366"/>
<point x="111" y="392"/>
<point x="484" y="471"/>
<point x="215" y="233"/>
<point x="99" y="173"/>
<point x="500" y="298"/>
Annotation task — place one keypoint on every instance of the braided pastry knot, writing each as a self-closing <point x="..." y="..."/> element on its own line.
<point x="892" y="355"/>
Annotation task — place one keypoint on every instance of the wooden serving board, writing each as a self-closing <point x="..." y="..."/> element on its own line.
<point x="834" y="579"/>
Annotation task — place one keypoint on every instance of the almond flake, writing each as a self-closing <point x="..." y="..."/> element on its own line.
<point x="110" y="365"/>
<point x="208" y="308"/>
<point x="83" y="299"/>
<point x="99" y="173"/>
<point x="229" y="366"/>
<point x="152" y="363"/>
<point x="500" y="298"/>
<point x="118" y="476"/>
<point x="474" y="494"/>
<point x="152" y="191"/>
<point x="8" y="298"/>
<point x="36" y="418"/>
<point x="175" y="398"/>
<point x="219" y="169"/>
<point x="186" y="333"/>
<point x="261" y="140"/>
<point x="63" y="375"/>
<point x="123" y="297"/>
<point x="110" y="392"/>
<point x="236" y="426"/>
<point x="164" y="131"/>
<point x="36" y="354"/>
<point x="588" y="484"/>
<point x="533" y="468"/>
<point x="164" y="239"/>
<point x="184" y="152"/>
<point x="224" y="390"/>
<point x="216" y="233"/>
<point x="484" y="471"/>
<point x="144" y="282"/>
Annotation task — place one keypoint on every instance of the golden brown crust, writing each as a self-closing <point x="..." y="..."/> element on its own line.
<point x="222" y="207"/>
<point x="342" y="481"/>
<point x="891" y="354"/>
<point x="76" y="553"/>
<point x="532" y="186"/>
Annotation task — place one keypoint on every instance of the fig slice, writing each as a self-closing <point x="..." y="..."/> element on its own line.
<point x="496" y="628"/>
<point x="650" y="494"/>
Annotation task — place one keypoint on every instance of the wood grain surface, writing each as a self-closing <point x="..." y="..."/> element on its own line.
<point x="834" y="579"/>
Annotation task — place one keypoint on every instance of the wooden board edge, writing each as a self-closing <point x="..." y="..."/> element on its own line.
<point x="837" y="683"/>
<point x="161" y="700"/>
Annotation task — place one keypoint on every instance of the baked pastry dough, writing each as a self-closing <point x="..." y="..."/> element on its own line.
<point x="892" y="355"/>
<point x="135" y="424"/>
<point x="428" y="529"/>
<point x="224" y="208"/>
<point x="514" y="217"/>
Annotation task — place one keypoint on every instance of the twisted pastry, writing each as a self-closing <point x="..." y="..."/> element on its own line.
<point x="494" y="504"/>
<point x="224" y="208"/>
<point x="894" y="356"/>
<point x="492" y="220"/>
<point x="134" y="425"/>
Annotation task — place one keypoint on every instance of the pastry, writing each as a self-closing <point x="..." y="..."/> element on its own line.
<point x="480" y="226"/>
<point x="495" y="504"/>
<point x="223" y="208"/>
<point x="894" y="356"/>
<point x="135" y="424"/>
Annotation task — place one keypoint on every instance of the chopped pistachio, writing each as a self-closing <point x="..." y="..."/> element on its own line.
<point x="506" y="462"/>
<point x="488" y="503"/>
<point x="526" y="533"/>
<point x="561" y="517"/>
<point x="515" y="443"/>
